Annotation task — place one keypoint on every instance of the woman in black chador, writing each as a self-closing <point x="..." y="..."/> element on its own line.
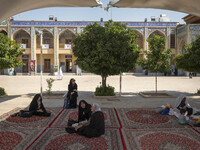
<point x="84" y="111"/>
<point x="72" y="93"/>
<point x="37" y="107"/>
<point x="95" y="127"/>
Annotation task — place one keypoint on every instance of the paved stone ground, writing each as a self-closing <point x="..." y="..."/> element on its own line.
<point x="20" y="89"/>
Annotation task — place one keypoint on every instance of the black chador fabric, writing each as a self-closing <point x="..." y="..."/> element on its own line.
<point x="84" y="113"/>
<point x="34" y="106"/>
<point x="72" y="97"/>
<point x="96" y="127"/>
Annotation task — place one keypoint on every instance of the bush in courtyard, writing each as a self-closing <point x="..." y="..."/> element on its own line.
<point x="50" y="84"/>
<point x="108" y="91"/>
<point x="198" y="91"/>
<point x="2" y="91"/>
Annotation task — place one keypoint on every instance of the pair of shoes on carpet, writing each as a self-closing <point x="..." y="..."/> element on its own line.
<point x="197" y="124"/>
<point x="15" y="114"/>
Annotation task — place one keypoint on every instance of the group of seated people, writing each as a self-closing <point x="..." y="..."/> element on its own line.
<point x="183" y="111"/>
<point x="90" y="121"/>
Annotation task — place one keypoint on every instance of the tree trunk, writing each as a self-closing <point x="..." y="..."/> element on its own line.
<point x="103" y="81"/>
<point x="120" y="84"/>
<point x="156" y="81"/>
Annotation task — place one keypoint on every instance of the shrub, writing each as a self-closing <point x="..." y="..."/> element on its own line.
<point x="2" y="91"/>
<point x="198" y="91"/>
<point x="109" y="91"/>
<point x="55" y="69"/>
<point x="50" y="84"/>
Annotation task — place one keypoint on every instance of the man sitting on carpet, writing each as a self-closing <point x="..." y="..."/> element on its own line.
<point x="95" y="127"/>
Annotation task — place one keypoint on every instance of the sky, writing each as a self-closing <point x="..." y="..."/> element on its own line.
<point x="94" y="14"/>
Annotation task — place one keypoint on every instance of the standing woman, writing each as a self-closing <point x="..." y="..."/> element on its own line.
<point x="72" y="93"/>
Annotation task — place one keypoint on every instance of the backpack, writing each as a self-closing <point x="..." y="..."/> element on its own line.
<point x="66" y="103"/>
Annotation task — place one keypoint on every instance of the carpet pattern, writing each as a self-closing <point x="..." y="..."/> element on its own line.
<point x="17" y="138"/>
<point x="109" y="115"/>
<point x="58" y="139"/>
<point x="162" y="139"/>
<point x="148" y="118"/>
<point x="34" y="121"/>
<point x="125" y="129"/>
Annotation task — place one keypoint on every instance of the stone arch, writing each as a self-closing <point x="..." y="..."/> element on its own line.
<point x="21" y="36"/>
<point x="181" y="47"/>
<point x="160" y="33"/>
<point x="66" y="37"/>
<point x="3" y="31"/>
<point x="139" y="39"/>
<point x="157" y="32"/>
<point x="48" y="38"/>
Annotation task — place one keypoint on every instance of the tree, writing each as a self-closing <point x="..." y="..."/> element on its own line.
<point x="190" y="61"/>
<point x="106" y="50"/>
<point x="9" y="53"/>
<point x="157" y="59"/>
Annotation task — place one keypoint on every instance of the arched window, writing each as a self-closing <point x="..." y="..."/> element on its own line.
<point x="48" y="40"/>
<point x="139" y="39"/>
<point x="22" y="37"/>
<point x="65" y="39"/>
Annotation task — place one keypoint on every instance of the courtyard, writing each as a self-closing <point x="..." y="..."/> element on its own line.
<point x="131" y="122"/>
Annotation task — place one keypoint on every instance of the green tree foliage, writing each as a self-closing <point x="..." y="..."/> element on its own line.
<point x="190" y="61"/>
<point x="157" y="59"/>
<point x="9" y="53"/>
<point x="106" y="50"/>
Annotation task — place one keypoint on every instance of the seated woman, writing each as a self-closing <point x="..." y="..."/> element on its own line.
<point x="183" y="104"/>
<point x="37" y="107"/>
<point x="95" y="126"/>
<point x="84" y="113"/>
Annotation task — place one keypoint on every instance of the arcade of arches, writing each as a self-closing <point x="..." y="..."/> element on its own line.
<point x="58" y="39"/>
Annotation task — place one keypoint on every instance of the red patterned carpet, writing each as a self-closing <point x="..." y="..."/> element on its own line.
<point x="132" y="129"/>
<point x="162" y="139"/>
<point x="109" y="115"/>
<point x="34" y="121"/>
<point x="148" y="118"/>
<point x="58" y="139"/>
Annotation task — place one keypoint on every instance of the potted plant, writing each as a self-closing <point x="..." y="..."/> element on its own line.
<point x="55" y="71"/>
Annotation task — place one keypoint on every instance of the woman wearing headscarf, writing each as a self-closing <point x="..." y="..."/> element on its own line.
<point x="84" y="114"/>
<point x="37" y="107"/>
<point x="84" y="111"/>
<point x="96" y="124"/>
<point x="182" y="103"/>
<point x="72" y="93"/>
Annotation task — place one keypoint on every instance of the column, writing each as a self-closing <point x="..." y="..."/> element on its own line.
<point x="168" y="37"/>
<point x="33" y="47"/>
<point x="56" y="47"/>
<point x="145" y="38"/>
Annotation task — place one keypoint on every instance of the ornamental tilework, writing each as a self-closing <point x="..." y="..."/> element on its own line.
<point x="50" y="29"/>
<point x="76" y="23"/>
<point x="181" y="29"/>
<point x="194" y="37"/>
<point x="70" y="28"/>
<point x="194" y="27"/>
<point x="14" y="29"/>
<point x="163" y="30"/>
<point x="139" y="29"/>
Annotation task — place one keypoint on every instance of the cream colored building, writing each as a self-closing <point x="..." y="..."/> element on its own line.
<point x="58" y="39"/>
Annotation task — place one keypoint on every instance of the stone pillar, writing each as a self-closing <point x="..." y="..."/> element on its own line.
<point x="33" y="47"/>
<point x="56" y="47"/>
<point x="9" y="30"/>
<point x="145" y="38"/>
<point x="168" y="37"/>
